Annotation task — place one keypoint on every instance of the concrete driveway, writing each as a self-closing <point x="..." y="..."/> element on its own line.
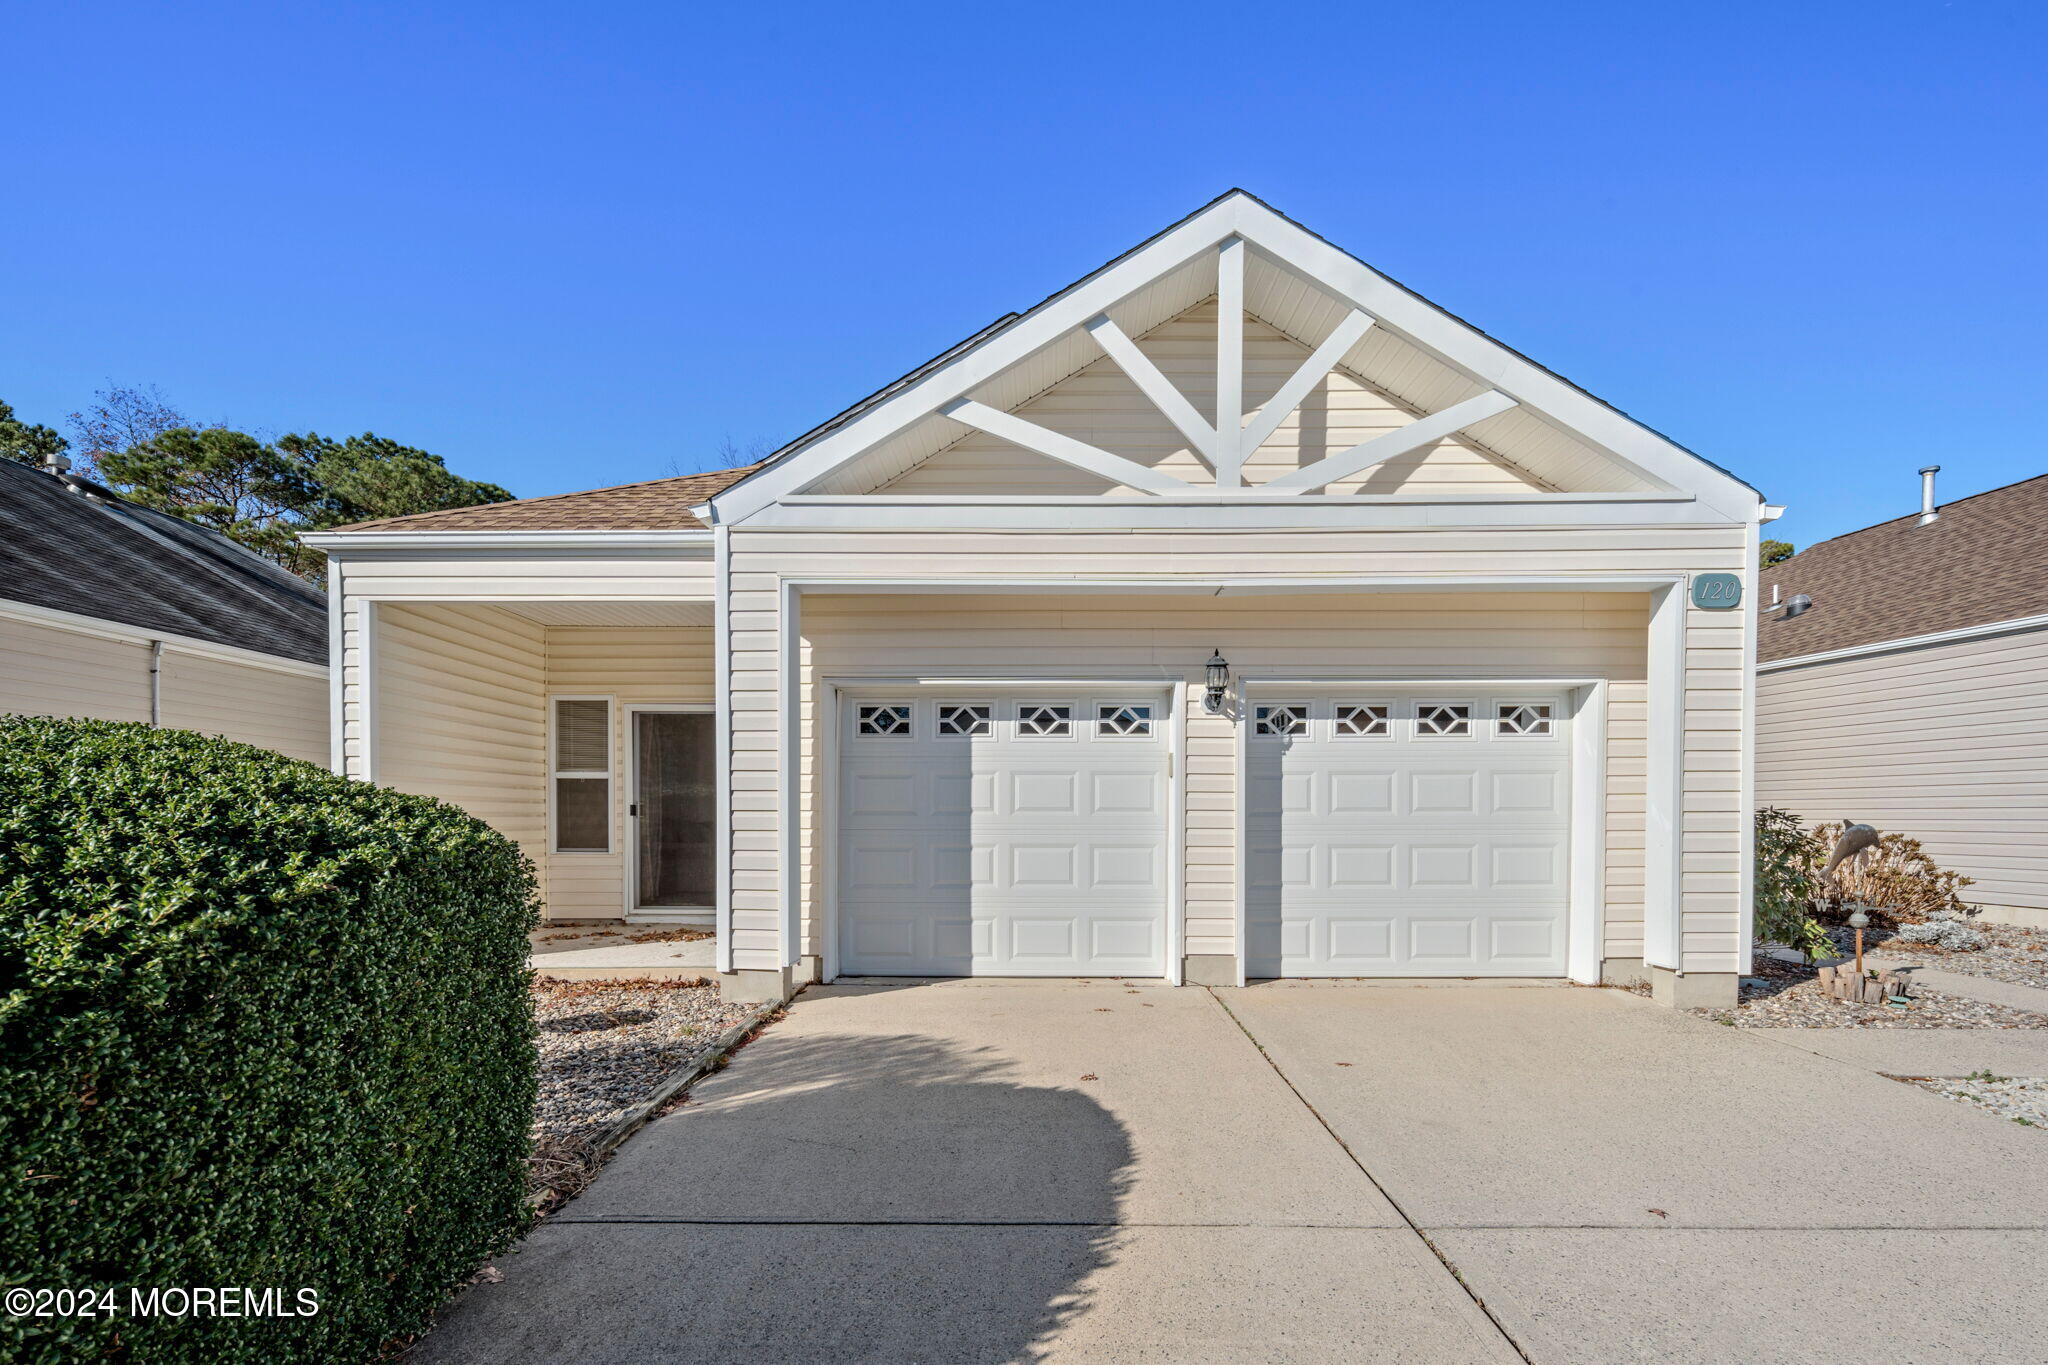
<point x="996" y="1171"/>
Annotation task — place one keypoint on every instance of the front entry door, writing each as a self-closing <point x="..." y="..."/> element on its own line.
<point x="673" y="812"/>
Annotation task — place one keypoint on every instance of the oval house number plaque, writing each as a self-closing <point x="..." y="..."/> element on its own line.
<point x="1716" y="591"/>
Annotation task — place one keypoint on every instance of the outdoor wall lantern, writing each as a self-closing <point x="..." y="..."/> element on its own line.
<point x="1219" y="681"/>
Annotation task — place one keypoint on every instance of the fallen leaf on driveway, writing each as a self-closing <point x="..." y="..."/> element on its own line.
<point x="1660" y="1213"/>
<point x="1091" y="1076"/>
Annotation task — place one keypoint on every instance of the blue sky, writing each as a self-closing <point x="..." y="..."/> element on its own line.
<point x="566" y="246"/>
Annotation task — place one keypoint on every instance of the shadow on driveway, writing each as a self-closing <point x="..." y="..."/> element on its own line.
<point x="852" y="1198"/>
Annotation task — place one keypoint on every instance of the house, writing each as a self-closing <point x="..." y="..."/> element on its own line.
<point x="1901" y="671"/>
<point x="116" y="612"/>
<point x="1232" y="613"/>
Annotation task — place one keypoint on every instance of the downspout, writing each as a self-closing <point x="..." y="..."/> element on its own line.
<point x="156" y="683"/>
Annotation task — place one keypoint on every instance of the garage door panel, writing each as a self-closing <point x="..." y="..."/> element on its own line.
<point x="1434" y="843"/>
<point x="1004" y="836"/>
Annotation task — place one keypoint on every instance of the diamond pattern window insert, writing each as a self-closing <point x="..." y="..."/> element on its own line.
<point x="968" y="720"/>
<point x="1523" y="719"/>
<point x="1280" y="720"/>
<point x="888" y="721"/>
<point x="1045" y="722"/>
<point x="1364" y="722"/>
<point x="1134" y="722"/>
<point x="1443" y="720"/>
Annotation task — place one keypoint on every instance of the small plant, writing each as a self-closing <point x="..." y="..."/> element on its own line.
<point x="1897" y="880"/>
<point x="1787" y="882"/>
<point x="1988" y="1077"/>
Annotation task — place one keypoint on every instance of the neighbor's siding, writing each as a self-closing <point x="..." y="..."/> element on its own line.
<point x="282" y="711"/>
<point x="1947" y="744"/>
<point x="51" y="671"/>
<point x="48" y="671"/>
<point x="459" y="710"/>
<point x="1506" y="633"/>
<point x="636" y="664"/>
<point x="1100" y="405"/>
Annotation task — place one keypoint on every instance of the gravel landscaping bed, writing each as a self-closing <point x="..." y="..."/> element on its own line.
<point x="2017" y="955"/>
<point x="2023" y="1099"/>
<point x="604" y="1046"/>
<point x="1785" y="995"/>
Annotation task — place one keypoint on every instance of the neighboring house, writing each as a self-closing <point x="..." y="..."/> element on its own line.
<point x="1234" y="612"/>
<point x="116" y="612"/>
<point x="1913" y="692"/>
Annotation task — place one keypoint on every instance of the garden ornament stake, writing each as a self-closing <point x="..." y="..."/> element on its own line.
<point x="1859" y="921"/>
<point x="1853" y="839"/>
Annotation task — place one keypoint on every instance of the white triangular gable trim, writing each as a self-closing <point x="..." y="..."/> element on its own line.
<point x="1413" y="318"/>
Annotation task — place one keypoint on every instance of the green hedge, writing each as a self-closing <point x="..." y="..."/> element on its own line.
<point x="260" y="1026"/>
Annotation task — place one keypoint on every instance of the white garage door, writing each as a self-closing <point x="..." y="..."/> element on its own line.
<point x="1003" y="835"/>
<point x="1408" y="834"/>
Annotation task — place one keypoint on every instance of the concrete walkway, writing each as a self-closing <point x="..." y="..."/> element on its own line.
<point x="617" y="951"/>
<point x="965" y="1172"/>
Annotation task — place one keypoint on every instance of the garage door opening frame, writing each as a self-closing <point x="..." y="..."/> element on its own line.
<point x="1666" y="652"/>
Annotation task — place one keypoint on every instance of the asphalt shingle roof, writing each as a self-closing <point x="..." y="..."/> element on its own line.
<point x="655" y="505"/>
<point x="1983" y="560"/>
<point x="70" y="545"/>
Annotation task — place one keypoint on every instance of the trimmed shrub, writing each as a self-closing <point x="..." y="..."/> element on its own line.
<point x="1897" y="879"/>
<point x="261" y="1027"/>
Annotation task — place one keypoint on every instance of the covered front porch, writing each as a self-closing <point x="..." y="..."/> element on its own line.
<point x="584" y="730"/>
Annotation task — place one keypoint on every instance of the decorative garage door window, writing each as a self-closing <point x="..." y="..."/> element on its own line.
<point x="1443" y="720"/>
<point x="1129" y="722"/>
<point x="889" y="721"/>
<point x="1280" y="720"/>
<point x="1523" y="718"/>
<point x="965" y="720"/>
<point x="1372" y="721"/>
<point x="1045" y="722"/>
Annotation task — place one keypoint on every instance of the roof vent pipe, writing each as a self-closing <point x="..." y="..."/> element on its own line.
<point x="1927" y="512"/>
<point x="56" y="462"/>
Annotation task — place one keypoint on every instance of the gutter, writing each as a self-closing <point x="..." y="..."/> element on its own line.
<point x="2015" y="626"/>
<point x="628" y="542"/>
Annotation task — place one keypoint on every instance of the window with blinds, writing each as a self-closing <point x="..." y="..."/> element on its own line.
<point x="582" y="775"/>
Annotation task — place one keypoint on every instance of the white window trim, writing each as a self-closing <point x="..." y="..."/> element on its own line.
<point x="610" y="776"/>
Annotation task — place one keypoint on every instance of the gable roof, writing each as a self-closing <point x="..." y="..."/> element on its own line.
<point x="652" y="505"/>
<point x="1983" y="560"/>
<point x="70" y="545"/>
<point x="1009" y="320"/>
<point x="1139" y="290"/>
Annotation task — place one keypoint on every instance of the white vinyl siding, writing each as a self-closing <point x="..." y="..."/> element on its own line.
<point x="282" y="711"/>
<point x="460" y="711"/>
<point x="48" y="671"/>
<point x="1946" y="743"/>
<point x="52" y="671"/>
<point x="1101" y="406"/>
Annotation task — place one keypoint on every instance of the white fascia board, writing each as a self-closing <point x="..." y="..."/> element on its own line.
<point x="1485" y="361"/>
<point x="451" y="544"/>
<point x="2014" y="626"/>
<point x="1547" y="511"/>
<point x="955" y="379"/>
<point x="101" y="628"/>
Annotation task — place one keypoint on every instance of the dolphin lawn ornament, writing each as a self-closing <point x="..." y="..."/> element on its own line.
<point x="1853" y="839"/>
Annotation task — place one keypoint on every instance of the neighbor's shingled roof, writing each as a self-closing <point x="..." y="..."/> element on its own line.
<point x="655" y="505"/>
<point x="70" y="545"/>
<point x="1984" y="559"/>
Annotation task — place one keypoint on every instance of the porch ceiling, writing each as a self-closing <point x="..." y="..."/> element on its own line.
<point x="612" y="613"/>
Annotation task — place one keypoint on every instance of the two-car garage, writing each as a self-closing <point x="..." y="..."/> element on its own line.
<point x="1386" y="832"/>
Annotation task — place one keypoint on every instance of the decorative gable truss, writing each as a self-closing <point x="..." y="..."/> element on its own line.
<point x="1240" y="259"/>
